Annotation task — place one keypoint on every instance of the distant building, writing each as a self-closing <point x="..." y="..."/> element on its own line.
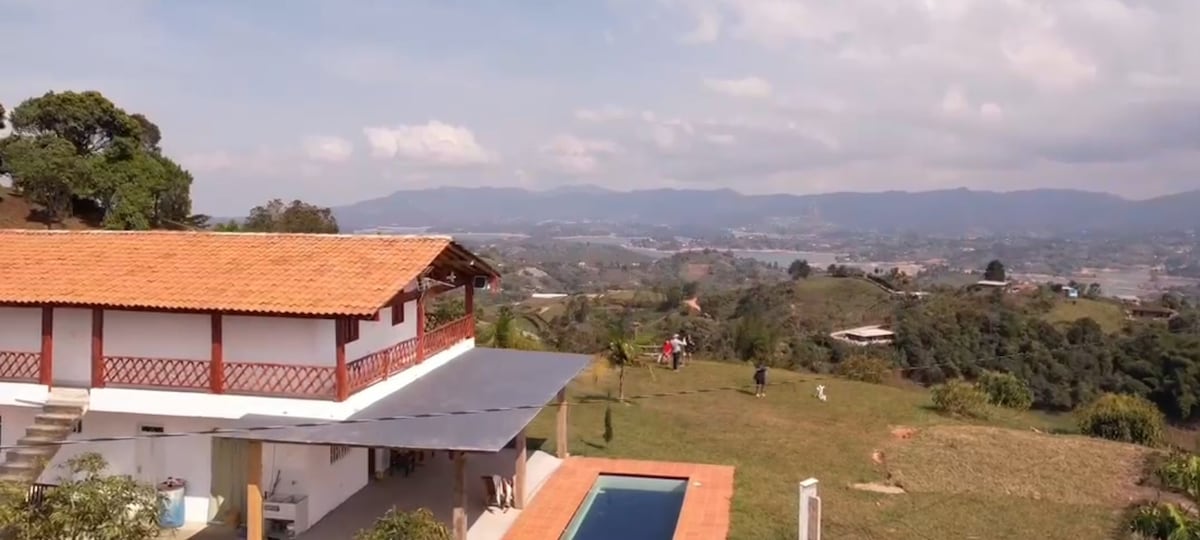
<point x="544" y="295"/>
<point x="1070" y="292"/>
<point x="1151" y="312"/>
<point x="1130" y="299"/>
<point x="987" y="283"/>
<point x="866" y="335"/>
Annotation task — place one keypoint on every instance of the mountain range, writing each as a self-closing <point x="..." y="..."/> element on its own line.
<point x="955" y="211"/>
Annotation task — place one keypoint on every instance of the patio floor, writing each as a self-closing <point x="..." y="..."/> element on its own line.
<point x="430" y="486"/>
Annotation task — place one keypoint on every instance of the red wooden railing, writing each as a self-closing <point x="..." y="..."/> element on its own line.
<point x="448" y="334"/>
<point x="138" y="372"/>
<point x="280" y="380"/>
<point x="286" y="380"/>
<point x="20" y="366"/>
<point x="380" y="365"/>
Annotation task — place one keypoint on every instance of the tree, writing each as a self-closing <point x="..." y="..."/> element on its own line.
<point x="1005" y="390"/>
<point x="105" y="159"/>
<point x="995" y="271"/>
<point x="3" y="117"/>
<point x="86" y="505"/>
<point x="505" y="334"/>
<point x="296" y="217"/>
<point x="396" y="524"/>
<point x="1093" y="291"/>
<point x="621" y="352"/>
<point x="799" y="269"/>
<point x="1124" y="418"/>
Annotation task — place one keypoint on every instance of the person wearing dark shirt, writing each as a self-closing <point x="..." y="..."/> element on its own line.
<point x="760" y="379"/>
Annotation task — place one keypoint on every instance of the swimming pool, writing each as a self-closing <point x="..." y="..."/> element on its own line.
<point x="628" y="508"/>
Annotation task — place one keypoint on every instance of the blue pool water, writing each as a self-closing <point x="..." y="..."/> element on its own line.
<point x="628" y="508"/>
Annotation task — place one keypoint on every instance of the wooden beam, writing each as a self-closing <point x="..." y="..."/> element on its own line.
<point x="46" y="368"/>
<point x="460" y="496"/>
<point x="254" y="492"/>
<point x="420" y="329"/>
<point x="97" y="348"/>
<point x="519" y="476"/>
<point x="341" y="374"/>
<point x="560" y="432"/>
<point x="216" y="362"/>
<point x="469" y="296"/>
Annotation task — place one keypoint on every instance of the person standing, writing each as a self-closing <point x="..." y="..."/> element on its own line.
<point x="676" y="351"/>
<point x="665" y="355"/>
<point x="760" y="379"/>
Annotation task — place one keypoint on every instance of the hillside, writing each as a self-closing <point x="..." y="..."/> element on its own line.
<point x="956" y="212"/>
<point x="983" y="481"/>
<point x="17" y="213"/>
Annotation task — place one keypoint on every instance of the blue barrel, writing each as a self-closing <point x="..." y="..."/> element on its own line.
<point x="172" y="516"/>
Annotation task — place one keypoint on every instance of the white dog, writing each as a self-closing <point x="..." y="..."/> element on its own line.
<point x="821" y="392"/>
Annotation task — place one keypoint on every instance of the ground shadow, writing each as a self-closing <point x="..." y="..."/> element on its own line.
<point x="595" y="445"/>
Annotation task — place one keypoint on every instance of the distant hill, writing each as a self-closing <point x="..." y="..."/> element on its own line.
<point x="957" y="211"/>
<point x="18" y="213"/>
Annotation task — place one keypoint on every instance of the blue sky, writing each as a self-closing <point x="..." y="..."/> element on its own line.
<point x="335" y="102"/>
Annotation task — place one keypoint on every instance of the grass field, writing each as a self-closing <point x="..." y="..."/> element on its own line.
<point x="1000" y="480"/>
<point x="841" y="302"/>
<point x="1108" y="315"/>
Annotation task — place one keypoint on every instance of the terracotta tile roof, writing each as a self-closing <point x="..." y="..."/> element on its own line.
<point x="297" y="274"/>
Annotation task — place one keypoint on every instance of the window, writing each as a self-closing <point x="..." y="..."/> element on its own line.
<point x="397" y="313"/>
<point x="336" y="453"/>
<point x="348" y="329"/>
<point x="148" y="429"/>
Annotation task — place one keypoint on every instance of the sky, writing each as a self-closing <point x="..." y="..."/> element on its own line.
<point x="336" y="102"/>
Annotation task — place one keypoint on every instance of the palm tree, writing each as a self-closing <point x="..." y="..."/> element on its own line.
<point x="621" y="352"/>
<point x="505" y="333"/>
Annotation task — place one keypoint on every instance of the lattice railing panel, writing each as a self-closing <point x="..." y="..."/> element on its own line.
<point x="280" y="379"/>
<point x="20" y="366"/>
<point x="156" y="372"/>
<point x="448" y="334"/>
<point x="377" y="366"/>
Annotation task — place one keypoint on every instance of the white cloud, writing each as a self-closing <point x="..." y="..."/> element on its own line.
<point x="723" y="139"/>
<point x="708" y="27"/>
<point x="324" y="148"/>
<point x="991" y="111"/>
<point x="434" y="143"/>
<point x="954" y="101"/>
<point x="748" y="87"/>
<point x="1049" y="64"/>
<point x="606" y="113"/>
<point x="575" y="155"/>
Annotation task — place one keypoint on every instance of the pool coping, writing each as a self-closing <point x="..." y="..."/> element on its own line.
<point x="706" y="503"/>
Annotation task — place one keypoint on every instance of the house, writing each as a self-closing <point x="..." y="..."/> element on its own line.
<point x="991" y="284"/>
<point x="866" y="335"/>
<point x="1150" y="312"/>
<point x="130" y="335"/>
<point x="1071" y="292"/>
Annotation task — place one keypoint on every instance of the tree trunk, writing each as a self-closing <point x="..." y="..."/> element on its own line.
<point x="621" y="384"/>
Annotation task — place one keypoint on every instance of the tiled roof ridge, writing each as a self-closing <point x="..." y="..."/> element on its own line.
<point x="227" y="233"/>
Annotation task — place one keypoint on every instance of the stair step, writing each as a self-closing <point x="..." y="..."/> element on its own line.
<point x="56" y="419"/>
<point x="51" y="431"/>
<point x="62" y="407"/>
<point x="22" y="468"/>
<point x="40" y="440"/>
<point x="39" y="456"/>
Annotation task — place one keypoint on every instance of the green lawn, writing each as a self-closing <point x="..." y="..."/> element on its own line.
<point x="1108" y="315"/>
<point x="963" y="481"/>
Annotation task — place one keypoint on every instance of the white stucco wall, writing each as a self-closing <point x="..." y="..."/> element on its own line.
<point x="72" y="347"/>
<point x="279" y="340"/>
<point x="20" y="329"/>
<point x="182" y="336"/>
<point x="303" y="470"/>
<point x="375" y="336"/>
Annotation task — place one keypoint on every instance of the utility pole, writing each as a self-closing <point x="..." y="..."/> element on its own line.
<point x="810" y="511"/>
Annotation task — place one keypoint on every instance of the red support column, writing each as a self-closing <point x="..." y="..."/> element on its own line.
<point x="469" y="297"/>
<point x="340" y="372"/>
<point x="97" y="348"/>
<point x="46" y="369"/>
<point x="420" y="328"/>
<point x="216" y="362"/>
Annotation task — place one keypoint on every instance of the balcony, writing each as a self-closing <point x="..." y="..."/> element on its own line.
<point x="20" y="366"/>
<point x="265" y="379"/>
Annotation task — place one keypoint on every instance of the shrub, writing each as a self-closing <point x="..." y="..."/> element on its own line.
<point x="960" y="398"/>
<point x="1006" y="390"/>
<point x="396" y="524"/>
<point x="1163" y="521"/>
<point x="865" y="368"/>
<point x="1123" y="417"/>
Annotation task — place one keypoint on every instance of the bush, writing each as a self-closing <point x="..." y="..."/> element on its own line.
<point x="1006" y="390"/>
<point x="960" y="398"/>
<point x="1123" y="417"/>
<point x="865" y="368"/>
<point x="396" y="524"/>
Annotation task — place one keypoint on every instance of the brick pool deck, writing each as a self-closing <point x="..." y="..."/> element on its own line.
<point x="705" y="513"/>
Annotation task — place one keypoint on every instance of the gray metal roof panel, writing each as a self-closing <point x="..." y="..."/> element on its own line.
<point x="480" y="378"/>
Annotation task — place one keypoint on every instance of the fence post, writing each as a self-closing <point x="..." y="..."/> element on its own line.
<point x="810" y="511"/>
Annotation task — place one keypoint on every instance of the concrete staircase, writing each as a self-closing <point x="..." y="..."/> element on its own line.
<point x="62" y="411"/>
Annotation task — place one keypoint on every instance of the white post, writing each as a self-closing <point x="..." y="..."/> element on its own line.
<point x="810" y="511"/>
